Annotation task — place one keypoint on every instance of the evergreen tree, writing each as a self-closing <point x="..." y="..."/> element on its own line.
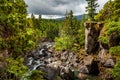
<point x="68" y="33"/>
<point x="91" y="8"/>
<point x="14" y="32"/>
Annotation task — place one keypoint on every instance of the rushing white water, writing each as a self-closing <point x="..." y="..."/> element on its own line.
<point x="36" y="65"/>
<point x="48" y="45"/>
<point x="30" y="61"/>
<point x="41" y="51"/>
<point x="34" y="62"/>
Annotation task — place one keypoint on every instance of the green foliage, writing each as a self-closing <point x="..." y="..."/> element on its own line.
<point x="91" y="8"/>
<point x="111" y="10"/>
<point x="105" y="13"/>
<point x="46" y="28"/>
<point x="17" y="33"/>
<point x="64" y="43"/>
<point x="103" y="39"/>
<point x="116" y="71"/>
<point x="115" y="50"/>
<point x="80" y="38"/>
<point x="116" y="9"/>
<point x="13" y="24"/>
<point x="72" y="32"/>
<point x="109" y="28"/>
<point x="16" y="67"/>
<point x="52" y="31"/>
<point x="113" y="26"/>
<point x="85" y="17"/>
<point x="35" y="75"/>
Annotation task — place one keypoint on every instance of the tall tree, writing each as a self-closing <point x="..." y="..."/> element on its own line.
<point x="91" y="8"/>
<point x="13" y="23"/>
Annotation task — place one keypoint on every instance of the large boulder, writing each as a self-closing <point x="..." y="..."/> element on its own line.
<point x="88" y="60"/>
<point x="84" y="69"/>
<point x="90" y="66"/>
<point x="68" y="75"/>
<point x="110" y="63"/>
<point x="105" y="58"/>
<point x="55" y="65"/>
<point x="50" y="73"/>
<point x="103" y="55"/>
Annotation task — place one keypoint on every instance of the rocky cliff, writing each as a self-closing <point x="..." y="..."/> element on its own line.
<point x="98" y="50"/>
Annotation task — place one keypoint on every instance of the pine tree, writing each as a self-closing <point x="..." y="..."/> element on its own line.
<point x="91" y="8"/>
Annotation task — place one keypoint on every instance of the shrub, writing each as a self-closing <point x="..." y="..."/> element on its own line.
<point x="103" y="39"/>
<point x="63" y="43"/>
<point x="113" y="26"/>
<point x="16" y="67"/>
<point x="35" y="75"/>
<point x="109" y="28"/>
<point x="116" y="71"/>
<point x="115" y="50"/>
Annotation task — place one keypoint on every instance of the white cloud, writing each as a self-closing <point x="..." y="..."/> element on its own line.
<point x="46" y="16"/>
<point x="57" y="8"/>
<point x="101" y="4"/>
<point x="51" y="16"/>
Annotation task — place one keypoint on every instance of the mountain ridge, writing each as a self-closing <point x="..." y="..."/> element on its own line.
<point x="79" y="17"/>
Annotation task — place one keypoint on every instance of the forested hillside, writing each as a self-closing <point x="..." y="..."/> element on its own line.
<point x="23" y="42"/>
<point x="110" y="34"/>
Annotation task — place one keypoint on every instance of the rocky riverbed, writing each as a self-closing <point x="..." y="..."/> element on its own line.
<point x="67" y="65"/>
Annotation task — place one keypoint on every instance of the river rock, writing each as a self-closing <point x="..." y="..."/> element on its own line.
<point x="68" y="75"/>
<point x="84" y="69"/>
<point x="56" y="64"/>
<point x="64" y="56"/>
<point x="109" y="63"/>
<point x="102" y="53"/>
<point x="88" y="60"/>
<point x="50" y="73"/>
<point x="90" y="66"/>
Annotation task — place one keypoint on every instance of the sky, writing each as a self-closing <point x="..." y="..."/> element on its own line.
<point x="58" y="8"/>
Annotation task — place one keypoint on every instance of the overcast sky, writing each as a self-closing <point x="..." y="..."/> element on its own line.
<point x="58" y="7"/>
